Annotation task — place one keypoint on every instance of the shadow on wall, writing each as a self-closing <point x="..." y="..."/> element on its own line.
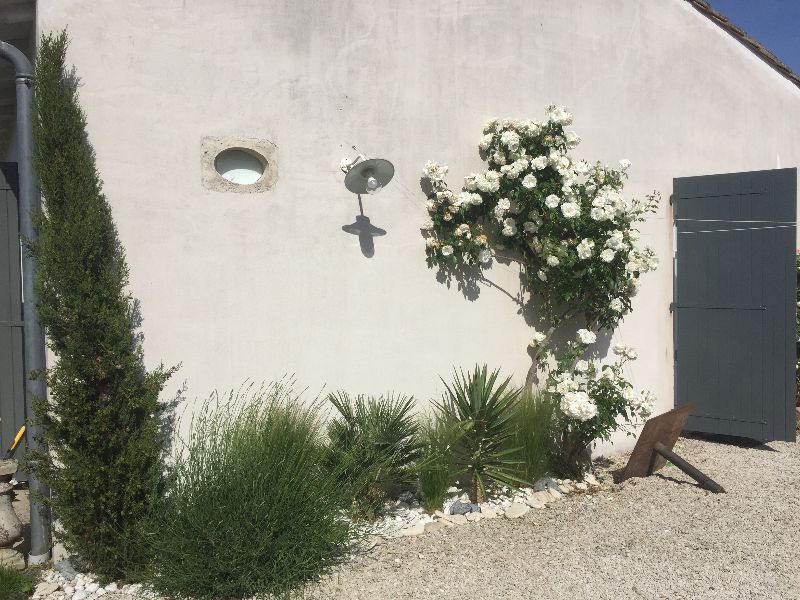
<point x="469" y="280"/>
<point x="365" y="231"/>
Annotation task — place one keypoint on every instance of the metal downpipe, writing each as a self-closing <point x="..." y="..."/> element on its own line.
<point x="34" y="341"/>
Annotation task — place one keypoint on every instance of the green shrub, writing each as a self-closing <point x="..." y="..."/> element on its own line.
<point x="484" y="409"/>
<point x="373" y="443"/>
<point x="532" y="422"/>
<point x="102" y="418"/>
<point x="436" y="468"/>
<point x="250" y="508"/>
<point x="13" y="583"/>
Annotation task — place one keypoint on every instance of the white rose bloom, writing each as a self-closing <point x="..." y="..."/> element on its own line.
<point x="578" y="406"/>
<point x="509" y="230"/>
<point x="572" y="138"/>
<point x="581" y="167"/>
<point x="582" y="366"/>
<point x="430" y="205"/>
<point x="509" y="222"/>
<point x="530" y="226"/>
<point x="485" y="255"/>
<point x="426" y="225"/>
<point x="553" y="261"/>
<point x="499" y="212"/>
<point x="536" y="339"/>
<point x="434" y="171"/>
<point x="510" y="139"/>
<point x="541" y="275"/>
<point x="529" y="181"/>
<point x="462" y="229"/>
<point x="624" y="164"/>
<point x="431" y="243"/>
<point x="647" y="403"/>
<point x="586" y="337"/>
<point x="499" y="157"/>
<point x="471" y="182"/>
<point x="504" y="204"/>
<point x="585" y="248"/>
<point x="486" y="141"/>
<point x="598" y="214"/>
<point x="539" y="163"/>
<point x="625" y="351"/>
<point x="616" y="241"/>
<point x="570" y="210"/>
<point x="616" y="305"/>
<point x="607" y="255"/>
<point x="447" y="250"/>
<point x="552" y="201"/>
<point x="447" y="216"/>
<point x="491" y="125"/>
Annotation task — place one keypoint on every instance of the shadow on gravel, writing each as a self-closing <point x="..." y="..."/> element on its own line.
<point x="729" y="440"/>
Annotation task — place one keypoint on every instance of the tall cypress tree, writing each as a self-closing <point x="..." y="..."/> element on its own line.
<point x="102" y="419"/>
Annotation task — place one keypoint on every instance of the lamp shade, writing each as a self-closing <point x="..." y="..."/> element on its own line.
<point x="356" y="179"/>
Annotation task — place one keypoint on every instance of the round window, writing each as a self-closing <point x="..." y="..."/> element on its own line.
<point x="243" y="167"/>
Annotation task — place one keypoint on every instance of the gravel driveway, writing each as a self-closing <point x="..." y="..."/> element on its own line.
<point x="660" y="537"/>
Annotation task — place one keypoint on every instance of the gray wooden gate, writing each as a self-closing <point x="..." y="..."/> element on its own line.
<point x="734" y="302"/>
<point x="12" y="381"/>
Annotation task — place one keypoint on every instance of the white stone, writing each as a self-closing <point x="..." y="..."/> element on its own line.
<point x="69" y="590"/>
<point x="100" y="592"/>
<point x="542" y="497"/>
<point x="80" y="595"/>
<point x="488" y="512"/>
<point x="516" y="510"/>
<point x="591" y="480"/>
<point x="45" y="588"/>
<point x="534" y="503"/>
<point x="473" y="516"/>
<point x="417" y="528"/>
<point x="92" y="587"/>
<point x="582" y="486"/>
<point x="456" y="519"/>
<point x="434" y="526"/>
<point x="111" y="587"/>
<point x="555" y="494"/>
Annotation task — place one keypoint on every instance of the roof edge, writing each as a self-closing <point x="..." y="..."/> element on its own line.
<point x="703" y="7"/>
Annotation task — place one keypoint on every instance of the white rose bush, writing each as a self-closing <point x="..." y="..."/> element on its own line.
<point x="573" y="231"/>
<point x="567" y="222"/>
<point x="594" y="401"/>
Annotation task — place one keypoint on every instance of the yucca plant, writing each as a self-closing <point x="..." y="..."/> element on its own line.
<point x="373" y="443"/>
<point x="484" y="408"/>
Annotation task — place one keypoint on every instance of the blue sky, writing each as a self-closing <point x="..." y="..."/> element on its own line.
<point x="774" y="23"/>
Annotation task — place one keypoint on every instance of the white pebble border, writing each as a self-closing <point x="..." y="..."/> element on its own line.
<point x="401" y="519"/>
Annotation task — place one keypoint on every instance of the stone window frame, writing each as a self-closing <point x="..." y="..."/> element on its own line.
<point x="211" y="146"/>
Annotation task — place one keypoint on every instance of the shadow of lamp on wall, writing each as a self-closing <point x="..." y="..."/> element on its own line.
<point x="365" y="176"/>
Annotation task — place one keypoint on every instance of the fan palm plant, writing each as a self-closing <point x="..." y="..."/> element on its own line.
<point x="484" y="408"/>
<point x="373" y="441"/>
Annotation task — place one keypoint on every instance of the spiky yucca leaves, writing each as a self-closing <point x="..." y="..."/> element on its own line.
<point x="485" y="410"/>
<point x="374" y="442"/>
<point x="102" y="418"/>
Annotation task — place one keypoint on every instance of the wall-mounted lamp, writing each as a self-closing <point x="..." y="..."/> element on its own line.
<point x="366" y="175"/>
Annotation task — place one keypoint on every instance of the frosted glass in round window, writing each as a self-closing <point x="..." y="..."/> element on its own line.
<point x="240" y="166"/>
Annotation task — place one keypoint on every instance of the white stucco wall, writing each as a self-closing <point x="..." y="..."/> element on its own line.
<point x="237" y="286"/>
